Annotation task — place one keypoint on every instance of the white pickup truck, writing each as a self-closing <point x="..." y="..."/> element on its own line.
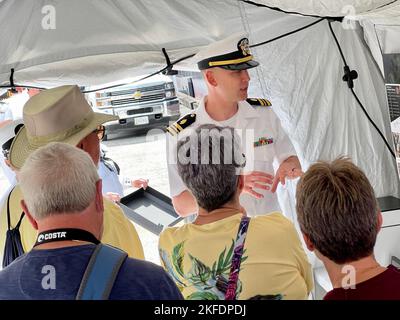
<point x="141" y="105"/>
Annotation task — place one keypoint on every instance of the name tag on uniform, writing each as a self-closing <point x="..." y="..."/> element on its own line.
<point x="263" y="141"/>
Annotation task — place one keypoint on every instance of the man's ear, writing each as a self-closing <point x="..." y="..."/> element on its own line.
<point x="210" y="77"/>
<point x="8" y="163"/>
<point x="99" y="196"/>
<point x="31" y="219"/>
<point x="15" y="170"/>
<point x="380" y="220"/>
<point x="240" y="183"/>
<point x="309" y="244"/>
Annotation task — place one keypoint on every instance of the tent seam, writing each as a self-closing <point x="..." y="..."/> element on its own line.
<point x="247" y="27"/>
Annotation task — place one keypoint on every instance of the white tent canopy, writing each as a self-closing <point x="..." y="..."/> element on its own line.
<point x="326" y="8"/>
<point x="97" y="42"/>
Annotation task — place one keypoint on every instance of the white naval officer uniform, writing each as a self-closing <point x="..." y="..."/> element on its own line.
<point x="109" y="173"/>
<point x="110" y="180"/>
<point x="256" y="123"/>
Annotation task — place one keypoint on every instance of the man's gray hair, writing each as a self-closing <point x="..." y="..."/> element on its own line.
<point x="208" y="163"/>
<point x="58" y="178"/>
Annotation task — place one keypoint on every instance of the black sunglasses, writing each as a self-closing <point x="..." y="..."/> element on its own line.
<point x="7" y="145"/>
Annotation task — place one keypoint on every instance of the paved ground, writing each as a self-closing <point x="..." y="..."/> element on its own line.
<point x="142" y="156"/>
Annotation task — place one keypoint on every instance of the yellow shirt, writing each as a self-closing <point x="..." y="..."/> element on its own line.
<point x="273" y="263"/>
<point x="118" y="230"/>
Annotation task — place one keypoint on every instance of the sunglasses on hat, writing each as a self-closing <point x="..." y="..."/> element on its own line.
<point x="7" y="145"/>
<point x="100" y="131"/>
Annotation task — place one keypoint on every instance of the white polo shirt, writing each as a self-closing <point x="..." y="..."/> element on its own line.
<point x="264" y="143"/>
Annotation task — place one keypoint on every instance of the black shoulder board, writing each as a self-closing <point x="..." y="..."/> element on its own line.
<point x="181" y="124"/>
<point x="259" y="102"/>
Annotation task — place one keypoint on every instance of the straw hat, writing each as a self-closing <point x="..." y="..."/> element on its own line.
<point x="60" y="114"/>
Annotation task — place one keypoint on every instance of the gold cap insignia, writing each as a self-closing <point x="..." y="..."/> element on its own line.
<point x="244" y="46"/>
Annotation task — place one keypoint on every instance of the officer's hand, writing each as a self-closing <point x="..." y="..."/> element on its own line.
<point x="112" y="196"/>
<point x="259" y="180"/>
<point x="140" y="183"/>
<point x="290" y="168"/>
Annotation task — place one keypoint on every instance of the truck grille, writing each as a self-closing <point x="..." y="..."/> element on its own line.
<point x="132" y="91"/>
<point x="137" y="111"/>
<point x="151" y="97"/>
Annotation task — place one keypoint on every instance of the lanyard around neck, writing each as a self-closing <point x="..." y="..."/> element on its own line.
<point x="65" y="235"/>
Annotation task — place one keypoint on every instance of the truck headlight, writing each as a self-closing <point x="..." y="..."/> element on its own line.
<point x="169" y="85"/>
<point x="170" y="93"/>
<point x="102" y="103"/>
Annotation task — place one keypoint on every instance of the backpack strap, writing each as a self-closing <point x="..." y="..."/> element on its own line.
<point x="100" y="273"/>
<point x="8" y="210"/>
<point x="111" y="165"/>
<point x="9" y="216"/>
<point x="237" y="258"/>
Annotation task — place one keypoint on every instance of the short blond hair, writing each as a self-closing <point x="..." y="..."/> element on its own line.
<point x="337" y="209"/>
<point x="58" y="178"/>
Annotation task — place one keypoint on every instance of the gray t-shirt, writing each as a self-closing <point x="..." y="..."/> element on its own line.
<point x="56" y="274"/>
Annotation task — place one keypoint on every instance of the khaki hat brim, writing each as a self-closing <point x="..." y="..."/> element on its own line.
<point x="21" y="148"/>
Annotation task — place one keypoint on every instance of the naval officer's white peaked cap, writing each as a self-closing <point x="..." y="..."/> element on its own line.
<point x="232" y="53"/>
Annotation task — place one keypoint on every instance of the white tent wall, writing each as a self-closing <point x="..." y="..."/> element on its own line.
<point x="382" y="31"/>
<point x="302" y="76"/>
<point x="96" y="42"/>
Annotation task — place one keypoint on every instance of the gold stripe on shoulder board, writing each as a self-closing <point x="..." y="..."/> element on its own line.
<point x="259" y="102"/>
<point x="172" y="132"/>
<point x="267" y="102"/>
<point x="181" y="124"/>
<point x="178" y="127"/>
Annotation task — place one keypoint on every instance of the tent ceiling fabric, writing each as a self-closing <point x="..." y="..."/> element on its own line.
<point x="325" y="8"/>
<point x="96" y="42"/>
<point x="131" y="33"/>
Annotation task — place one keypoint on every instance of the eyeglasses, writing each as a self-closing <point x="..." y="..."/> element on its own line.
<point x="5" y="148"/>
<point x="100" y="131"/>
<point x="6" y="152"/>
<point x="7" y="145"/>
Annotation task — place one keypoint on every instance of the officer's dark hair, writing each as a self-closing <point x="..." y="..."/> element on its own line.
<point x="211" y="174"/>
